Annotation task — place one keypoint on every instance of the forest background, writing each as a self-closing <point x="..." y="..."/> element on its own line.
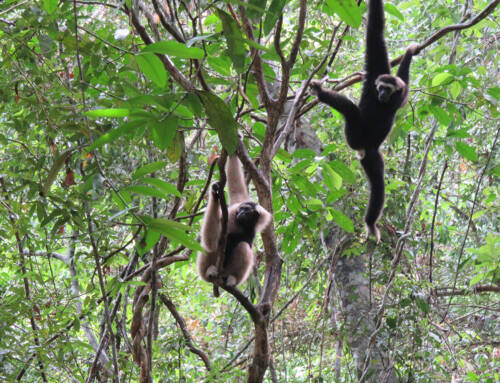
<point x="112" y="116"/>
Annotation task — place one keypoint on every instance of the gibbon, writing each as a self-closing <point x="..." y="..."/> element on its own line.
<point x="369" y="123"/>
<point x="245" y="219"/>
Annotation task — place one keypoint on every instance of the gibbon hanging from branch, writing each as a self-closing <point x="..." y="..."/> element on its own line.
<point x="245" y="220"/>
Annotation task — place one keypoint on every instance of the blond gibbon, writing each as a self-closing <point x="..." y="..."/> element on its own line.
<point x="245" y="220"/>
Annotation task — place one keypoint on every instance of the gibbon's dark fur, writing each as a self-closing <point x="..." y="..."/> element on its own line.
<point x="369" y="123"/>
<point x="245" y="219"/>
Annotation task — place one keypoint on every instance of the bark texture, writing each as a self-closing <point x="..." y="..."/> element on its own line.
<point x="353" y="288"/>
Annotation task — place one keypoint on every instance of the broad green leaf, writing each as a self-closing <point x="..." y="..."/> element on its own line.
<point x="234" y="38"/>
<point x="147" y="242"/>
<point x="113" y="134"/>
<point x="304" y="153"/>
<point x="332" y="180"/>
<point x="466" y="151"/>
<point x="113" y="112"/>
<point x="343" y="221"/>
<point x="164" y="186"/>
<point x="153" y="68"/>
<point x="494" y="92"/>
<point x="148" y="169"/>
<point x="174" y="150"/>
<point x="341" y="169"/>
<point x="314" y="204"/>
<point x="221" y="119"/>
<point x="221" y="65"/>
<point x="256" y="8"/>
<point x="163" y="132"/>
<point x="176" y="49"/>
<point x="394" y="11"/>
<point x="172" y="230"/>
<point x="50" y="6"/>
<point x="272" y="15"/>
<point x="441" y="78"/>
<point x="56" y="166"/>
<point x="441" y="115"/>
<point x="348" y="11"/>
<point x="455" y="89"/>
<point x="145" y="191"/>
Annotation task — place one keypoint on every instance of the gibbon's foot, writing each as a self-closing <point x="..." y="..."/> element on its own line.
<point x="360" y="154"/>
<point x="216" y="189"/>
<point x="414" y="49"/>
<point x="212" y="272"/>
<point x="373" y="231"/>
<point x="315" y="86"/>
<point x="231" y="281"/>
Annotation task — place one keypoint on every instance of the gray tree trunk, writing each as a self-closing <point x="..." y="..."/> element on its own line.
<point x="357" y="316"/>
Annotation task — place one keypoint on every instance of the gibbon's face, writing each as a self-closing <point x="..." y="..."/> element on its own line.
<point x="386" y="86"/>
<point x="247" y="215"/>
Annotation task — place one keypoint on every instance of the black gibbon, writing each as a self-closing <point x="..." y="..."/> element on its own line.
<point x="369" y="123"/>
<point x="245" y="220"/>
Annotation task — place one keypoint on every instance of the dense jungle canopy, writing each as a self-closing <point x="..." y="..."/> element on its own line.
<point x="115" y="119"/>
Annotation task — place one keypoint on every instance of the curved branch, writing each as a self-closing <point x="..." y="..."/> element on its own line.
<point x="187" y="336"/>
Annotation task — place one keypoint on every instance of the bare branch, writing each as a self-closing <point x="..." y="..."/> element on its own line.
<point x="183" y="327"/>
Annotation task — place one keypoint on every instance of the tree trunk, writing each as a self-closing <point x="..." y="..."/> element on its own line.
<point x="353" y="288"/>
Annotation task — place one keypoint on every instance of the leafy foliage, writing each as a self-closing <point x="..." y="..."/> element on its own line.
<point x="105" y="157"/>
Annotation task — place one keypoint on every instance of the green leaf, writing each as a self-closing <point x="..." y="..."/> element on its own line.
<point x="332" y="180"/>
<point x="176" y="49"/>
<point x="113" y="134"/>
<point x="174" y="150"/>
<point x="441" y="78"/>
<point x="164" y="186"/>
<point x="340" y="168"/>
<point x="112" y="112"/>
<point x="145" y="191"/>
<point x="220" y="119"/>
<point x="394" y="11"/>
<point x="455" y="89"/>
<point x="56" y="166"/>
<point x="164" y="132"/>
<point x="172" y="230"/>
<point x="256" y="8"/>
<point x="494" y="92"/>
<point x="50" y="6"/>
<point x="148" y="169"/>
<point x="348" y="11"/>
<point x="273" y="14"/>
<point x="343" y="221"/>
<point x="441" y="115"/>
<point x="147" y="242"/>
<point x="234" y="38"/>
<point x="153" y="68"/>
<point x="314" y="204"/>
<point x="466" y="151"/>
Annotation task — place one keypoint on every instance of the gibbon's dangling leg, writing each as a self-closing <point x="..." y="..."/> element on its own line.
<point x="245" y="220"/>
<point x="368" y="124"/>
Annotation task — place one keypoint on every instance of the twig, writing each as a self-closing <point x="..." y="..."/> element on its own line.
<point x="182" y="325"/>
<point x="479" y="182"/>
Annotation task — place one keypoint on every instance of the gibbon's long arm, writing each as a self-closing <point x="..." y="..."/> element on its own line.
<point x="404" y="66"/>
<point x="346" y="107"/>
<point x="237" y="188"/>
<point x="373" y="165"/>
<point x="211" y="229"/>
<point x="376" y="57"/>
